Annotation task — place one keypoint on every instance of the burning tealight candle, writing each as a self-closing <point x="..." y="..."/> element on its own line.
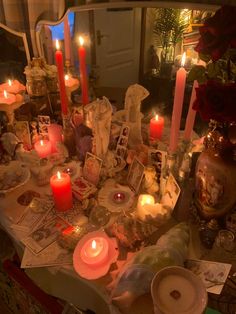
<point x="62" y="192"/>
<point x="71" y="81"/>
<point x="156" y="127"/>
<point x="13" y="87"/>
<point x="119" y="197"/>
<point x="95" y="251"/>
<point x="43" y="148"/>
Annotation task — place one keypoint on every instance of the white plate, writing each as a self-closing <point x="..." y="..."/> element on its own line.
<point x="13" y="176"/>
<point x="178" y="290"/>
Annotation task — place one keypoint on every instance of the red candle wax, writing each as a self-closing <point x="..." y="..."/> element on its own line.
<point x="43" y="148"/>
<point x="62" y="192"/>
<point x="62" y="87"/>
<point x="156" y="127"/>
<point x="83" y="72"/>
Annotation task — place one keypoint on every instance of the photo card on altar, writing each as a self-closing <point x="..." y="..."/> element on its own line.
<point x="92" y="168"/>
<point x="157" y="158"/>
<point x="135" y="175"/>
<point x="22" y="131"/>
<point x="43" y="122"/>
<point x="171" y="192"/>
<point x="122" y="142"/>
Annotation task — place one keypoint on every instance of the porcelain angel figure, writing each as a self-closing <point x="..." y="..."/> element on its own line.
<point x="101" y="110"/>
<point x="133" y="97"/>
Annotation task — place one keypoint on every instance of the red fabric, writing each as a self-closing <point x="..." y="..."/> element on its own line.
<point x="48" y="302"/>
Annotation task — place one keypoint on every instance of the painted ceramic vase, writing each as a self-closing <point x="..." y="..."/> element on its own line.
<point x="216" y="175"/>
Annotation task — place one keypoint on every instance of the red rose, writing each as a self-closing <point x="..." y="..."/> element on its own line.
<point x="216" y="101"/>
<point x="218" y="33"/>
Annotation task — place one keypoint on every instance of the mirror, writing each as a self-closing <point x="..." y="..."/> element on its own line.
<point x="127" y="43"/>
<point x="14" y="54"/>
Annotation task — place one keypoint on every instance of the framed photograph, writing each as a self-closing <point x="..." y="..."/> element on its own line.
<point x="22" y="131"/>
<point x="43" y="122"/>
<point x="157" y="158"/>
<point x="135" y="175"/>
<point x="171" y="192"/>
<point x="92" y="168"/>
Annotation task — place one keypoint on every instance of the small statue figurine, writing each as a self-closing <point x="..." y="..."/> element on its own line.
<point x="101" y="110"/>
<point x="133" y="97"/>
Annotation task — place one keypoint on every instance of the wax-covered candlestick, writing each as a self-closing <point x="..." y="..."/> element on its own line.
<point x="61" y="80"/>
<point x="191" y="114"/>
<point x="177" y="107"/>
<point x="83" y="72"/>
<point x="6" y="98"/>
<point x="62" y="192"/>
<point x="12" y="86"/>
<point x="156" y="127"/>
<point x="95" y="251"/>
<point x="43" y="148"/>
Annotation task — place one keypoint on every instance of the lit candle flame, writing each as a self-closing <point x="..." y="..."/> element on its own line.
<point x="41" y="142"/>
<point x="9" y="82"/>
<point x="66" y="77"/>
<point x="5" y="93"/>
<point x="94" y="244"/>
<point x="118" y="195"/>
<point x="58" y="175"/>
<point x="81" y="40"/>
<point x="156" y="117"/>
<point x="57" y="45"/>
<point x="183" y="59"/>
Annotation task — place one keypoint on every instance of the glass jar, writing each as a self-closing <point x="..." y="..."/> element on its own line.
<point x="36" y="86"/>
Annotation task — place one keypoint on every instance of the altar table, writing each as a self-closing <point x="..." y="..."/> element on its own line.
<point x="63" y="282"/>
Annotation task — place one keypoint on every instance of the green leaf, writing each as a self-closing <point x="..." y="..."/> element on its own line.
<point x="198" y="72"/>
<point x="204" y="57"/>
<point x="214" y="70"/>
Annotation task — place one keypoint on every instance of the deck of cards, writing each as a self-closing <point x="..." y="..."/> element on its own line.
<point x="82" y="189"/>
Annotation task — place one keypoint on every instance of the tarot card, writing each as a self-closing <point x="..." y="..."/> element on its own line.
<point x="53" y="255"/>
<point x="171" y="192"/>
<point x="45" y="234"/>
<point x="213" y="274"/>
<point x="92" y="168"/>
<point x="43" y="122"/>
<point x="135" y="175"/>
<point x="22" y="131"/>
<point x="122" y="142"/>
<point x="33" y="214"/>
<point x="82" y="188"/>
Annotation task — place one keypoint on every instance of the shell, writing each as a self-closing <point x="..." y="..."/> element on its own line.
<point x="130" y="232"/>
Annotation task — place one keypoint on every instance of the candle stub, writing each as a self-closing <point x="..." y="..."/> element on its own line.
<point x="95" y="251"/>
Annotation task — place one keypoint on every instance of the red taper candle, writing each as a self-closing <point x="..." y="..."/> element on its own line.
<point x="83" y="72"/>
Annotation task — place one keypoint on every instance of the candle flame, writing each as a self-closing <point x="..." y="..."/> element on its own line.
<point x="81" y="40"/>
<point x="156" y="117"/>
<point x="183" y="59"/>
<point x="57" y="44"/>
<point x="66" y="77"/>
<point x="5" y="93"/>
<point x="58" y="175"/>
<point x="41" y="142"/>
<point x="94" y="244"/>
<point x="9" y="82"/>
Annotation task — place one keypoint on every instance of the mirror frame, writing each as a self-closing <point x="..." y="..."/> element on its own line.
<point x="119" y="4"/>
<point x="24" y="38"/>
